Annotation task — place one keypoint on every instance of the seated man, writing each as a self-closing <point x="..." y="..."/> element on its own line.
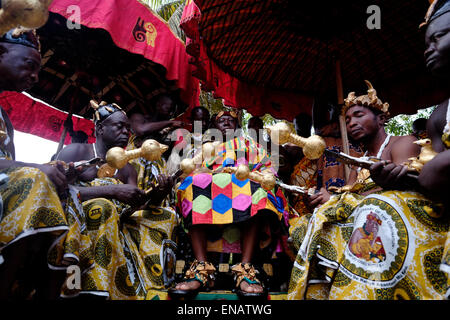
<point x="125" y="252"/>
<point x="255" y="130"/>
<point x="32" y="216"/>
<point x="187" y="143"/>
<point x="372" y="241"/>
<point x="157" y="125"/>
<point x="210" y="198"/>
<point x="321" y="174"/>
<point x="434" y="177"/>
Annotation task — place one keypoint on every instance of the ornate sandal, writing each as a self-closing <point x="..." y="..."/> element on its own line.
<point x="200" y="271"/>
<point x="247" y="272"/>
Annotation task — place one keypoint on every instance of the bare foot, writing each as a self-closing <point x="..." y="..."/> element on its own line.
<point x="250" y="288"/>
<point x="190" y="285"/>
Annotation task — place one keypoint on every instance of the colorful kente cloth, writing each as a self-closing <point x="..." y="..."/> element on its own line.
<point x="126" y="255"/>
<point x="220" y="198"/>
<point x="387" y="245"/>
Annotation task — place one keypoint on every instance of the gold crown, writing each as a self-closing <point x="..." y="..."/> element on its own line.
<point x="103" y="109"/>
<point x="368" y="100"/>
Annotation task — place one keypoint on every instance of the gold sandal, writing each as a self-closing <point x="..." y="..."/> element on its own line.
<point x="201" y="271"/>
<point x="247" y="272"/>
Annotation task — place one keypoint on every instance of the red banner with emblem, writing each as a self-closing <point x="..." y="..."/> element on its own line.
<point x="35" y="117"/>
<point x="134" y="27"/>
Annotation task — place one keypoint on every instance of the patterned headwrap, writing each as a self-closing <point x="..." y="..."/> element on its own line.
<point x="369" y="100"/>
<point x="21" y="36"/>
<point x="103" y="110"/>
<point x="437" y="8"/>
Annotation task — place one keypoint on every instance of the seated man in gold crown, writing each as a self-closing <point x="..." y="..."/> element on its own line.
<point x="38" y="223"/>
<point x="124" y="249"/>
<point x="370" y="240"/>
<point x="216" y="197"/>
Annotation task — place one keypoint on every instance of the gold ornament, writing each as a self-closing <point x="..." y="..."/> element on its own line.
<point x="313" y="146"/>
<point x="265" y="178"/>
<point x="23" y="14"/>
<point x="207" y="153"/>
<point x="106" y="171"/>
<point x="151" y="150"/>
<point x="369" y="100"/>
<point x="426" y="154"/>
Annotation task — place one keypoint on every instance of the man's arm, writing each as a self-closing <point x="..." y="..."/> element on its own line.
<point x="403" y="149"/>
<point x="142" y="127"/>
<point x="435" y="177"/>
<point x="435" y="126"/>
<point x="391" y="174"/>
<point x="74" y="152"/>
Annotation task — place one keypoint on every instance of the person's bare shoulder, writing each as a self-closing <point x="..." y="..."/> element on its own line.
<point x="403" y="148"/>
<point x="75" y="152"/>
<point x="435" y="126"/>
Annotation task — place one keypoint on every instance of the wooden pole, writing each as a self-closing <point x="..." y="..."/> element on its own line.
<point x="63" y="136"/>
<point x="342" y="125"/>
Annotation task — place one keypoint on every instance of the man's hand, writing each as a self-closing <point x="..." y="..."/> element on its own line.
<point x="177" y="124"/>
<point x="163" y="186"/>
<point x="387" y="174"/>
<point x="56" y="174"/>
<point x="318" y="198"/>
<point x="129" y="194"/>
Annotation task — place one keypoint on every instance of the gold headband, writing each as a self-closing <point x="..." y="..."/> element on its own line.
<point x="369" y="100"/>
<point x="222" y="113"/>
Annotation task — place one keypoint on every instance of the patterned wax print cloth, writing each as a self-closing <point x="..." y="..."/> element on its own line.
<point x="326" y="172"/>
<point x="445" y="263"/>
<point x="29" y="205"/>
<point x="162" y="218"/>
<point x="387" y="245"/>
<point x="125" y="255"/>
<point x="219" y="198"/>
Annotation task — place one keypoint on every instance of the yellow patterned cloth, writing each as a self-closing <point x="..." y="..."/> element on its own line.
<point x="387" y="245"/>
<point x="30" y="205"/>
<point x="445" y="263"/>
<point x="126" y="256"/>
<point x="160" y="219"/>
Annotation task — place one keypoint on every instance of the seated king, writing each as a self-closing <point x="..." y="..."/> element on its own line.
<point x="226" y="190"/>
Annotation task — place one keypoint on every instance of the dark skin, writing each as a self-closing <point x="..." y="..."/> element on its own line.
<point x="434" y="175"/>
<point x="19" y="68"/>
<point x="256" y="124"/>
<point x="144" y="125"/>
<point x="111" y="132"/>
<point x="249" y="230"/>
<point x="201" y="115"/>
<point x="367" y="127"/>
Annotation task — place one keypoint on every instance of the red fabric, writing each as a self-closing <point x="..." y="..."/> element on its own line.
<point x="235" y="93"/>
<point x="31" y="116"/>
<point x="135" y="28"/>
